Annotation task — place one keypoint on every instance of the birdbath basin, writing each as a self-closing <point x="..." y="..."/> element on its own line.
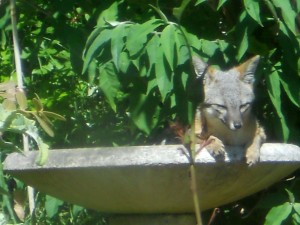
<point x="150" y="179"/>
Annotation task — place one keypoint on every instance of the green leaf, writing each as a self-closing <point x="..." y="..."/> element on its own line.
<point x="144" y="111"/>
<point x="273" y="83"/>
<point x="117" y="43"/>
<point x="109" y="14"/>
<point x="43" y="152"/>
<point x="278" y="214"/>
<point x="95" y="47"/>
<point x="297" y="207"/>
<point x="200" y="1"/>
<point x="177" y="11"/>
<point x="21" y="99"/>
<point x="6" y="199"/>
<point x="244" y="44"/>
<point x="291" y="196"/>
<point x="52" y="206"/>
<point x="152" y="49"/>
<point x="138" y="35"/>
<point x="209" y="47"/>
<point x="124" y="62"/>
<point x="253" y="9"/>
<point x="168" y="43"/>
<point x="221" y="3"/>
<point x="193" y="40"/>
<point x="54" y="115"/>
<point x="109" y="83"/>
<point x="151" y="84"/>
<point x="46" y="127"/>
<point x="164" y="81"/>
<point x="182" y="50"/>
<point x="296" y="218"/>
<point x="32" y="131"/>
<point x="91" y="38"/>
<point x="288" y="14"/>
<point x="3" y="185"/>
<point x="76" y="210"/>
<point x="5" y="18"/>
<point x="291" y="87"/>
<point x="9" y="105"/>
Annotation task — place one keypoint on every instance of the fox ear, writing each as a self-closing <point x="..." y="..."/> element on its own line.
<point x="247" y="69"/>
<point x="199" y="66"/>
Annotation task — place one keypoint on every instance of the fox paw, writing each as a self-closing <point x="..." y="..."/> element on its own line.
<point x="216" y="148"/>
<point x="252" y="156"/>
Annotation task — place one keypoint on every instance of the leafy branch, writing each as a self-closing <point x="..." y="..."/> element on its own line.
<point x="15" y="118"/>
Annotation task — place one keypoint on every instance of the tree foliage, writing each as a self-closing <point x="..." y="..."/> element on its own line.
<point x="149" y="58"/>
<point x="118" y="71"/>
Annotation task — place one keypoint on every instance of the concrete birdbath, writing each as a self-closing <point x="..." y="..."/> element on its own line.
<point x="150" y="179"/>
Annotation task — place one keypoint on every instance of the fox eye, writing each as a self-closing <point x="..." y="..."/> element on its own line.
<point x="219" y="108"/>
<point x="244" y="107"/>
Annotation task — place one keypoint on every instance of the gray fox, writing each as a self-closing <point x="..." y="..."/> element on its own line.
<point x="224" y="117"/>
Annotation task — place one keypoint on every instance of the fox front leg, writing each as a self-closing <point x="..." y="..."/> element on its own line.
<point x="215" y="147"/>
<point x="253" y="148"/>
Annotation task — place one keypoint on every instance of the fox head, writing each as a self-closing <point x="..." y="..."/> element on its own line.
<point x="228" y="95"/>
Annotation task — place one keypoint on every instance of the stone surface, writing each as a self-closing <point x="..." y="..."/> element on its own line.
<point x="150" y="179"/>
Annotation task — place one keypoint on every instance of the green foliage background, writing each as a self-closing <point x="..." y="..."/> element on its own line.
<point x="120" y="70"/>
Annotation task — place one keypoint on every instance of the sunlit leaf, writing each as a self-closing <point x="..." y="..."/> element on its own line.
<point x="296" y="207"/>
<point x="54" y="115"/>
<point x="95" y="47"/>
<point x="296" y="218"/>
<point x="138" y="35"/>
<point x="168" y="43"/>
<point x="153" y="47"/>
<point x="278" y="214"/>
<point x="291" y="87"/>
<point x="21" y="99"/>
<point x="273" y="83"/>
<point x="9" y="105"/>
<point x="243" y="45"/>
<point x="291" y="196"/>
<point x="221" y="3"/>
<point x="91" y="38"/>
<point x="109" y="83"/>
<point x="124" y="62"/>
<point x="117" y="43"/>
<point x="288" y="14"/>
<point x="43" y="152"/>
<point x="37" y="103"/>
<point x="253" y="9"/>
<point x="52" y="205"/>
<point x="209" y="47"/>
<point x="44" y="124"/>
<point x="163" y="77"/>
<point x="109" y="14"/>
<point x="3" y="186"/>
<point x="199" y="2"/>
<point x="182" y="47"/>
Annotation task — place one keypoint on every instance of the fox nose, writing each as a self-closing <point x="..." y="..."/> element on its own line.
<point x="237" y="124"/>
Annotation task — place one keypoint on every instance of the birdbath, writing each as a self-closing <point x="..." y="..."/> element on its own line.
<point x="150" y="184"/>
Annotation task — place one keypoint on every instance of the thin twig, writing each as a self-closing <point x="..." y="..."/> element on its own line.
<point x="194" y="177"/>
<point x="20" y="85"/>
<point x="213" y="216"/>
